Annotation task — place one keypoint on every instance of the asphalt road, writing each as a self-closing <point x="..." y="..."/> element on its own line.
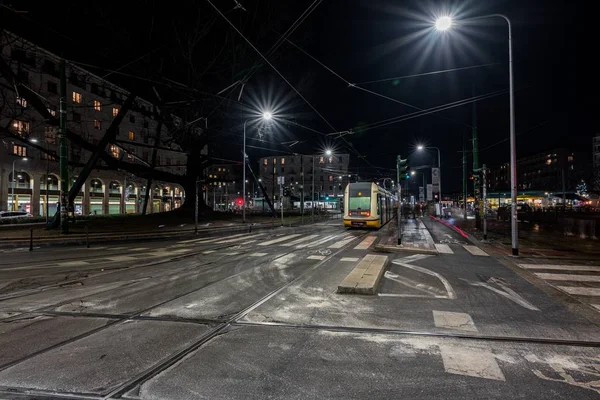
<point x="255" y="316"/>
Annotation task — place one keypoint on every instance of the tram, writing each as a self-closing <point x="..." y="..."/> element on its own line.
<point x="367" y="205"/>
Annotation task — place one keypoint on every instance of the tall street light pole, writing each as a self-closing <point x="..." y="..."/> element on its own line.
<point x="14" y="180"/>
<point x="445" y="23"/>
<point x="266" y="116"/>
<point x="420" y="147"/>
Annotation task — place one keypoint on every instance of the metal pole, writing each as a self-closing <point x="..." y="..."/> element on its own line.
<point x="313" y="189"/>
<point x="12" y="206"/>
<point x="439" y="172"/>
<point x="465" y="176"/>
<point x="281" y="200"/>
<point x="399" y="213"/>
<point x="30" y="239"/>
<point x="302" y="190"/>
<point x="484" y="175"/>
<point x="196" y="210"/>
<point x="244" y="175"/>
<point x="47" y="178"/>
<point x="63" y="160"/>
<point x="513" y="148"/>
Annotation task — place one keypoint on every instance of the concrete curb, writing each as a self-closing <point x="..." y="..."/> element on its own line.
<point x="399" y="249"/>
<point x="365" y="277"/>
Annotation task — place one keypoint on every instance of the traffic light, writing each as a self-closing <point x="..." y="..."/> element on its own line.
<point x="240" y="202"/>
<point x="403" y="168"/>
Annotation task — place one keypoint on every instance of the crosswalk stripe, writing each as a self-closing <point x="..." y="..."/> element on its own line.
<point x="568" y="277"/>
<point x="140" y="249"/>
<point x="341" y="244"/>
<point x="315" y="257"/>
<point x="298" y="241"/>
<point x="444" y="249"/>
<point x="320" y="242"/>
<point x="366" y="243"/>
<point x="580" y="291"/>
<point x="278" y="240"/>
<point x="463" y="360"/>
<point x="257" y="254"/>
<point x="239" y="238"/>
<point x="560" y="267"/>
<point x="121" y="258"/>
<point x="349" y="259"/>
<point x="72" y="263"/>
<point x="476" y="251"/>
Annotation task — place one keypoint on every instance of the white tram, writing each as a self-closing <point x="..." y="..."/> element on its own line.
<point x="367" y="205"/>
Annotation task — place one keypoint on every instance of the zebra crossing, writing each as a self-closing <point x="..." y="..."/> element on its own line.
<point x="579" y="281"/>
<point x="473" y="250"/>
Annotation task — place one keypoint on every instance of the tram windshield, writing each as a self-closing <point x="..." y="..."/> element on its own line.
<point x="363" y="203"/>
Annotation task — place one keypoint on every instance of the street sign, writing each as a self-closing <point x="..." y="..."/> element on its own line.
<point x="280" y="180"/>
<point x="435" y="176"/>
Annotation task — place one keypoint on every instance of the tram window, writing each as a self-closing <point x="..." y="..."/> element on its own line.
<point x="364" y="203"/>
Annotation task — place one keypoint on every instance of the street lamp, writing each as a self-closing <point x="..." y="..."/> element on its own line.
<point x="265" y="116"/>
<point x="444" y="23"/>
<point x="421" y="147"/>
<point x="14" y="180"/>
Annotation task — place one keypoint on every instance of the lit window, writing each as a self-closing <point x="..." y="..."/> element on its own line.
<point x="21" y="101"/>
<point x="274" y="161"/>
<point x="330" y="178"/>
<point x="282" y="161"/>
<point x="321" y="160"/>
<point x="548" y="161"/>
<point x="97" y="124"/>
<point x="115" y="111"/>
<point x="77" y="97"/>
<point x="131" y="135"/>
<point x="266" y="162"/>
<point x="570" y="158"/>
<point x="97" y="105"/>
<point x="20" y="151"/>
<point x="115" y="151"/>
<point x="330" y="160"/>
<point x="21" y="127"/>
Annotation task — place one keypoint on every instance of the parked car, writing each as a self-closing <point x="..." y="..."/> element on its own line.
<point x="15" y="214"/>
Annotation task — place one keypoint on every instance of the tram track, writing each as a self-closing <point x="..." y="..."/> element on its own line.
<point x="220" y="326"/>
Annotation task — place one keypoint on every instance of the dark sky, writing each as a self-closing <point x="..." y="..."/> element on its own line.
<point x="361" y="41"/>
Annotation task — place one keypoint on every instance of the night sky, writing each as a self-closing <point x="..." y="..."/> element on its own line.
<point x="361" y="41"/>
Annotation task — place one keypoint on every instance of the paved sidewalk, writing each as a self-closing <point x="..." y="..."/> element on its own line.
<point x="415" y="237"/>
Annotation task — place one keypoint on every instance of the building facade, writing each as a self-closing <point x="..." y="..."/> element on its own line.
<point x="92" y="104"/>
<point x="224" y="186"/>
<point x="330" y="174"/>
<point x="542" y="171"/>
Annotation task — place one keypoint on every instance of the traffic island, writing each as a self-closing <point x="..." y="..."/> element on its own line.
<point x="365" y="277"/>
<point x="415" y="238"/>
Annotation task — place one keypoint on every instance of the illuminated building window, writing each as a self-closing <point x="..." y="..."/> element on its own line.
<point x="97" y="105"/>
<point x="77" y="97"/>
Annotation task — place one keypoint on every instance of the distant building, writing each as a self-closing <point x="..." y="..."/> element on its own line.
<point x="541" y="171"/>
<point x="224" y="185"/>
<point x="330" y="174"/>
<point x="92" y="104"/>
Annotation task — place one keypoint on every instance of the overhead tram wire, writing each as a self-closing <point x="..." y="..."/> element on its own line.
<point x="280" y="74"/>
<point x="355" y="86"/>
<point x="273" y="48"/>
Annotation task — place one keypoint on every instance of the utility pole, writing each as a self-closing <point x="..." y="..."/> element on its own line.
<point x="196" y="208"/>
<point x="312" y="217"/>
<point x="484" y="198"/>
<point x="464" y="152"/>
<point x="302" y="190"/>
<point x="476" y="183"/>
<point x="63" y="156"/>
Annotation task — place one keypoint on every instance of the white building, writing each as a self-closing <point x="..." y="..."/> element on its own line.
<point x="330" y="174"/>
<point x="92" y="104"/>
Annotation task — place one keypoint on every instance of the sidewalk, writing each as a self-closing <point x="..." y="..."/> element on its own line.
<point x="415" y="237"/>
<point x="533" y="241"/>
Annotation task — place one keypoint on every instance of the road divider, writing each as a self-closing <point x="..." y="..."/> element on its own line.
<point x="365" y="277"/>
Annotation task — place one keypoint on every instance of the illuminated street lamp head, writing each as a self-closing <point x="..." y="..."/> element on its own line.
<point x="412" y="172"/>
<point x="443" y="23"/>
<point x="328" y="152"/>
<point x="267" y="115"/>
<point x="420" y="147"/>
<point x="24" y="158"/>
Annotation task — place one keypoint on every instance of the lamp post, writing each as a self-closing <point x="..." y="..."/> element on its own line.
<point x="413" y="173"/>
<point x="266" y="116"/>
<point x="14" y="180"/>
<point x="421" y="147"/>
<point x="445" y="23"/>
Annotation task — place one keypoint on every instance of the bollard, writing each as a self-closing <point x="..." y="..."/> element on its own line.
<point x="30" y="239"/>
<point x="87" y="237"/>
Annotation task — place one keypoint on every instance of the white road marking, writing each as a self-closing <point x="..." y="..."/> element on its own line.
<point x="298" y="241"/>
<point x="284" y="258"/>
<point x="210" y="239"/>
<point x="181" y="251"/>
<point x="415" y="257"/>
<point x="560" y="267"/>
<point x="365" y="244"/>
<point x="341" y="244"/>
<point x="315" y="257"/>
<point x="505" y="292"/>
<point x="454" y="320"/>
<point x="257" y="254"/>
<point x="568" y="277"/>
<point x="231" y="253"/>
<point x="421" y="296"/>
<point x="140" y="249"/>
<point x="118" y="248"/>
<point x="239" y="238"/>
<point x="476" y="251"/>
<point x="317" y="242"/>
<point x="596" y="306"/>
<point x="428" y="289"/>
<point x="443" y="248"/>
<point x="462" y="360"/>
<point x="278" y="240"/>
<point x="208" y="251"/>
<point x="122" y="258"/>
<point x="248" y="242"/>
<point x="349" y="259"/>
<point x="447" y="286"/>
<point x="72" y="263"/>
<point x="160" y="254"/>
<point x="580" y="291"/>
